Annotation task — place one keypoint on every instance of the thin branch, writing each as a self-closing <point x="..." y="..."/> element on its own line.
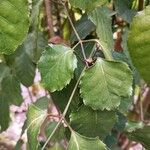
<point x="76" y="33"/>
<point x="30" y="95"/>
<point x="48" y="9"/>
<point x="64" y="114"/>
<point x="67" y="106"/>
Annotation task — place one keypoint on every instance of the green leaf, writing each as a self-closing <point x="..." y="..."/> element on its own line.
<point x="22" y="65"/>
<point x="56" y="146"/>
<point x="10" y="93"/>
<point x="124" y="10"/>
<point x="42" y="103"/>
<point x="93" y="123"/>
<point x="139" y="45"/>
<point x="4" y="101"/>
<point x="103" y="84"/>
<point x="4" y="111"/>
<point x="133" y="126"/>
<point x="11" y="87"/>
<point x="25" y="69"/>
<point x="87" y="5"/>
<point x="59" y="134"/>
<point x="14" y="24"/>
<point x="35" y="42"/>
<point x="35" y="118"/>
<point x="35" y="11"/>
<point x="35" y="45"/>
<point x="84" y="27"/>
<point x="142" y="136"/>
<point x="57" y="66"/>
<point x="4" y="70"/>
<point x="126" y="103"/>
<point x="101" y="17"/>
<point x="60" y="98"/>
<point x="125" y="56"/>
<point x="79" y="142"/>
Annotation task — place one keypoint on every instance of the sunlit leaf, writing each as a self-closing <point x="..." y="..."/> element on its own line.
<point x="103" y="84"/>
<point x="139" y="45"/>
<point x="35" y="118"/>
<point x="57" y="66"/>
<point x="14" y="24"/>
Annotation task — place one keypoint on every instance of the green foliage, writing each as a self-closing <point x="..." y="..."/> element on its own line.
<point x="138" y="43"/>
<point x="61" y="98"/>
<point x="35" y="118"/>
<point x="86" y="120"/>
<point x="57" y="65"/>
<point x="124" y="10"/>
<point x="59" y="134"/>
<point x="57" y="146"/>
<point x="14" y="24"/>
<point x="103" y="84"/>
<point x="10" y="92"/>
<point x="92" y="83"/>
<point x="142" y="136"/>
<point x="87" y="4"/>
<point x="84" y="27"/>
<point x="101" y="18"/>
<point x="79" y="142"/>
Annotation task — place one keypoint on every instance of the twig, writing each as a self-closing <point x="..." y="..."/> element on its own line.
<point x="30" y="95"/>
<point x="48" y="10"/>
<point x="76" y="33"/>
<point x="67" y="106"/>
